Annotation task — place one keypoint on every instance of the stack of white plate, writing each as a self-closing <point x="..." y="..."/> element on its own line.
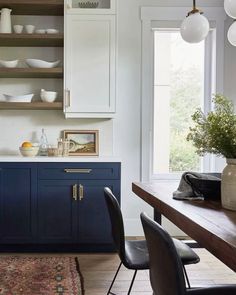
<point x="18" y="98"/>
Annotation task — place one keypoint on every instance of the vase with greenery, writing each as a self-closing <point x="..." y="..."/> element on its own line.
<point x="215" y="133"/>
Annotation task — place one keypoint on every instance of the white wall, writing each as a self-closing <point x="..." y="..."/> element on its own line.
<point x="121" y="135"/>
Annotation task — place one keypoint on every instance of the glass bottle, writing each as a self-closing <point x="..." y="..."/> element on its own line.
<point x="60" y="147"/>
<point x="43" y="147"/>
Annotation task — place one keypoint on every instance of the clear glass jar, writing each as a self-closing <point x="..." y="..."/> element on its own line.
<point x="43" y="144"/>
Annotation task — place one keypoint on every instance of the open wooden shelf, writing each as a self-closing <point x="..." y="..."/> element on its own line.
<point x="31" y="73"/>
<point x="31" y="105"/>
<point x="34" y="7"/>
<point x="40" y="8"/>
<point x="31" y="40"/>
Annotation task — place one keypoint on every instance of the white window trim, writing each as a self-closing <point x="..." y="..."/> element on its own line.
<point x="148" y="15"/>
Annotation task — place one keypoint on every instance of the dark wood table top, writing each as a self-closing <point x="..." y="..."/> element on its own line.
<point x="213" y="227"/>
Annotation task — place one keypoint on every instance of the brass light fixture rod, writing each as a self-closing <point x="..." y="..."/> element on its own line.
<point x="195" y="9"/>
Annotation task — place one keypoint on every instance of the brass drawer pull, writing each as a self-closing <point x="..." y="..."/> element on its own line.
<point x="75" y="192"/>
<point x="85" y="171"/>
<point x="81" y="192"/>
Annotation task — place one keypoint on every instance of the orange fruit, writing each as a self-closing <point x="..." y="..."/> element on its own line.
<point x="26" y="144"/>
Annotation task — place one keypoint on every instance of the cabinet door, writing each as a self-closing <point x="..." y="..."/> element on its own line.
<point x="89" y="65"/>
<point x="93" y="218"/>
<point x="56" y="211"/>
<point x="17" y="202"/>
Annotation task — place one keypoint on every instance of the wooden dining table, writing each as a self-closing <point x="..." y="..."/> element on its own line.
<point x="205" y="221"/>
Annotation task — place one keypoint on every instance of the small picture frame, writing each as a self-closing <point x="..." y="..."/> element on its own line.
<point x="83" y="142"/>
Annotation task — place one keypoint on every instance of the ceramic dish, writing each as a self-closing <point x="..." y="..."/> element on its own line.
<point x="18" y="29"/>
<point x="29" y="151"/>
<point x="52" y="31"/>
<point x="48" y="96"/>
<point x="18" y="98"/>
<point x="38" y="63"/>
<point x="29" y="29"/>
<point x="40" y="31"/>
<point x="9" y="63"/>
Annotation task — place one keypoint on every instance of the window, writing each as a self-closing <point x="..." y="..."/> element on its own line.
<point x="163" y="121"/>
<point x="178" y="91"/>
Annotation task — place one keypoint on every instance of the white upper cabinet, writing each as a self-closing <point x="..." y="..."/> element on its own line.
<point x="90" y="58"/>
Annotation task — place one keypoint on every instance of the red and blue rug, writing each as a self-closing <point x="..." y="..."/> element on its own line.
<point x="30" y="275"/>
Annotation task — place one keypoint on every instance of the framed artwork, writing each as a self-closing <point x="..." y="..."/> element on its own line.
<point x="82" y="142"/>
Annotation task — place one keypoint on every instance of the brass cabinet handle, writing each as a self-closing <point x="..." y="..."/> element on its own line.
<point x="67" y="98"/>
<point x="86" y="171"/>
<point x="68" y="93"/>
<point x="81" y="192"/>
<point x="75" y="192"/>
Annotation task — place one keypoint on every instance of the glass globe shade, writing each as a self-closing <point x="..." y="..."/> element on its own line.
<point x="230" y="8"/>
<point x="194" y="28"/>
<point x="232" y="34"/>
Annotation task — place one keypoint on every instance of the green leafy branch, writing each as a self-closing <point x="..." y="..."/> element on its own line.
<point x="215" y="132"/>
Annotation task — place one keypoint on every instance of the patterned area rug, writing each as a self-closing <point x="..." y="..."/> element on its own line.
<point x="21" y="275"/>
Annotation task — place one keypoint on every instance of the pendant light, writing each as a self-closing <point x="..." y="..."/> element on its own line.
<point x="232" y="34"/>
<point x="230" y="8"/>
<point x="195" y="26"/>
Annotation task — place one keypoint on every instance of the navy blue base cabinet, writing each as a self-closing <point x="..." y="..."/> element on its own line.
<point x="18" y="189"/>
<point x="56" y="206"/>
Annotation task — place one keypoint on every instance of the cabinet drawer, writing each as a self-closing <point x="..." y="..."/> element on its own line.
<point x="79" y="171"/>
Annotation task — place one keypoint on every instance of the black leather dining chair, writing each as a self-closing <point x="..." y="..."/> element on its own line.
<point x="166" y="272"/>
<point x="133" y="253"/>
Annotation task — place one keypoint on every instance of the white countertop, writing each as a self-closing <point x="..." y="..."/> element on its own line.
<point x="58" y="159"/>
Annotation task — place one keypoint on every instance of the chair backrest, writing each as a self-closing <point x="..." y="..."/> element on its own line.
<point x="117" y="224"/>
<point x="166" y="272"/>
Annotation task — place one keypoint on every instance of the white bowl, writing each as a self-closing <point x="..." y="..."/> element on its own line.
<point x="18" y="29"/>
<point x="29" y="29"/>
<point x="38" y="63"/>
<point x="40" y="31"/>
<point x="48" y="96"/>
<point x="9" y="63"/>
<point x="18" y="98"/>
<point x="52" y="31"/>
<point x="29" y="151"/>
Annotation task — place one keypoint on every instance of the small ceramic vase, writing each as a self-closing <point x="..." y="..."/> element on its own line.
<point x="5" y="22"/>
<point x="228" y="185"/>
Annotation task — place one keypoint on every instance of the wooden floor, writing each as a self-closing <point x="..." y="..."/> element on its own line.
<point x="98" y="271"/>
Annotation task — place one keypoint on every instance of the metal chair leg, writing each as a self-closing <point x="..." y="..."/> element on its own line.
<point x="132" y="282"/>
<point x="113" y="281"/>
<point x="109" y="291"/>
<point x="186" y="277"/>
